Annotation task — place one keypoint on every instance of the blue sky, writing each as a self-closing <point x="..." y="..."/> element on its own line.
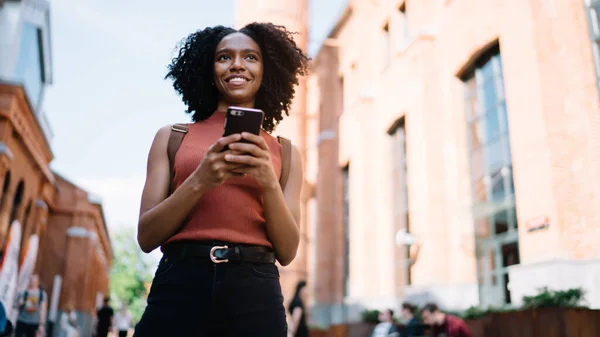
<point x="109" y="97"/>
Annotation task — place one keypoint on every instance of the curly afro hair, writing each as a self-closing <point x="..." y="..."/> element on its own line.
<point x="283" y="62"/>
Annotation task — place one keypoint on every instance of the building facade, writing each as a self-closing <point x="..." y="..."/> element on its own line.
<point x="62" y="234"/>
<point x="453" y="151"/>
<point x="473" y="126"/>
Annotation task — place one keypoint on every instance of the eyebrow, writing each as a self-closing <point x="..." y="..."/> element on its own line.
<point x="247" y="50"/>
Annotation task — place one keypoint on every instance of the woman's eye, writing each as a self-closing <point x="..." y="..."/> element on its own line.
<point x="223" y="57"/>
<point x="252" y="57"/>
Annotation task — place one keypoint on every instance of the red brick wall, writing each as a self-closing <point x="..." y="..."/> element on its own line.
<point x="57" y="205"/>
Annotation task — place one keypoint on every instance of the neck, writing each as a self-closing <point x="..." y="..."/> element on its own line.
<point x="222" y="105"/>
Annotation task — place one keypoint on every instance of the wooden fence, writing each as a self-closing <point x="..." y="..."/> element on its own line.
<point x="548" y="322"/>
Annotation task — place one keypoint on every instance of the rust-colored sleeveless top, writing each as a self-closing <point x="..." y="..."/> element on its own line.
<point x="232" y="212"/>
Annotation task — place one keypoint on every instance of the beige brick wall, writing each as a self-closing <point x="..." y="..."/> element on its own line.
<point x="553" y="112"/>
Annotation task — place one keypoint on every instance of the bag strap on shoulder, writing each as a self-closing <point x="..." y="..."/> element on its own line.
<point x="178" y="131"/>
<point x="286" y="160"/>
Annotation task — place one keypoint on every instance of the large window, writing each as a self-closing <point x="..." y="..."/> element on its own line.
<point x="491" y="177"/>
<point x="401" y="213"/>
<point x="30" y="64"/>
<point x="346" y="220"/>
<point x="593" y="8"/>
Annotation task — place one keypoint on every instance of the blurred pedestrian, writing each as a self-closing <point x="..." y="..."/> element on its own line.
<point x="412" y="327"/>
<point x="6" y="328"/>
<point x="32" y="309"/>
<point x="386" y="325"/>
<point x="122" y="322"/>
<point x="297" y="326"/>
<point x="104" y="318"/>
<point x="224" y="209"/>
<point x="68" y="322"/>
<point x="442" y="324"/>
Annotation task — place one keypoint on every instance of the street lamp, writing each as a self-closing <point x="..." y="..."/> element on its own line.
<point x="406" y="239"/>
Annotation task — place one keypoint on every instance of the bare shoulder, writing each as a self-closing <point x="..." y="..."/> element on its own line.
<point x="163" y="133"/>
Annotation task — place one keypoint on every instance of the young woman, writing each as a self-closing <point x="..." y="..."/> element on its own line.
<point x="228" y="219"/>
<point x="298" y="327"/>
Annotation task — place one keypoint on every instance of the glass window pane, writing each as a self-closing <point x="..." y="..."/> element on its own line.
<point x="488" y="72"/>
<point x="498" y="193"/>
<point x="502" y="116"/>
<point x="489" y="94"/>
<point x="28" y="70"/>
<point x="510" y="254"/>
<point x="501" y="222"/>
<point x="494" y="155"/>
<point x="492" y="124"/>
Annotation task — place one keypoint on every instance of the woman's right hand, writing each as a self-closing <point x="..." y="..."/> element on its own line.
<point x="213" y="169"/>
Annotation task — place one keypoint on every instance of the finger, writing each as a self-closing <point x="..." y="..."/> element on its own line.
<point x="223" y="142"/>
<point x="242" y="169"/>
<point x="258" y="140"/>
<point x="247" y="148"/>
<point x="243" y="159"/>
<point x="235" y="167"/>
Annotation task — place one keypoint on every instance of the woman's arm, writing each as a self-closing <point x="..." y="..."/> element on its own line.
<point x="282" y="212"/>
<point x="282" y="208"/>
<point x="161" y="214"/>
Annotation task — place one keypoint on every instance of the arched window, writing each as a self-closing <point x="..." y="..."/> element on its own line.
<point x="17" y="202"/>
<point x="5" y="187"/>
<point x="492" y="184"/>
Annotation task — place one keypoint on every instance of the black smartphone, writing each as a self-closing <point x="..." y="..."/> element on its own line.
<point x="240" y="120"/>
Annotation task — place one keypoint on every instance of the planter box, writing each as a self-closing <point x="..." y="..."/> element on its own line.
<point x="546" y="322"/>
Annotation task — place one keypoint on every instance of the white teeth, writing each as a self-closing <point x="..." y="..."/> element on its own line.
<point x="238" y="80"/>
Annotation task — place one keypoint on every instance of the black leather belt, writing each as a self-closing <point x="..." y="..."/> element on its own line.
<point x="221" y="253"/>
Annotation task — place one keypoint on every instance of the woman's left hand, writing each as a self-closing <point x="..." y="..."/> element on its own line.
<point x="256" y="158"/>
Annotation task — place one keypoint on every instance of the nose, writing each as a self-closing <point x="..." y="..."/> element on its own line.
<point x="238" y="63"/>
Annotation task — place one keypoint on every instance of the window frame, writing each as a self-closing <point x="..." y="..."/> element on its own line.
<point x="592" y="8"/>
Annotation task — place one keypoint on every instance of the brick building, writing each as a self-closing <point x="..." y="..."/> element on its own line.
<point x="473" y="126"/>
<point x="74" y="253"/>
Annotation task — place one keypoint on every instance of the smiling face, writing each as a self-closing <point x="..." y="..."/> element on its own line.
<point x="238" y="71"/>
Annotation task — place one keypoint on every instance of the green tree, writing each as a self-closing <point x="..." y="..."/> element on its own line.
<point x="131" y="271"/>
